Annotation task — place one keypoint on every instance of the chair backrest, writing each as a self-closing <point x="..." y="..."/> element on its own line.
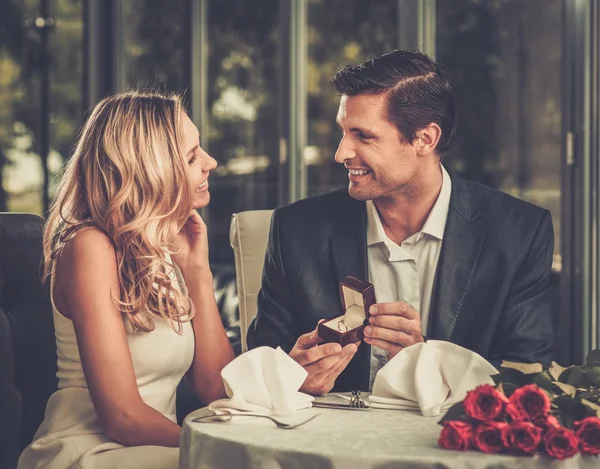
<point x="27" y="344"/>
<point x="248" y="235"/>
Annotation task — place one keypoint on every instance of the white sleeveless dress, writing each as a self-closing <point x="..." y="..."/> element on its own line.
<point x="70" y="437"/>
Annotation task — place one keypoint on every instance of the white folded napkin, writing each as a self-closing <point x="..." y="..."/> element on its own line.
<point x="263" y="380"/>
<point x="429" y="376"/>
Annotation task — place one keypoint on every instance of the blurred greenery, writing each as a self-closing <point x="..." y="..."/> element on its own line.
<point x="156" y="44"/>
<point x="21" y="64"/>
<point x="497" y="51"/>
<point x="365" y="31"/>
<point x="468" y="47"/>
<point x="11" y="44"/>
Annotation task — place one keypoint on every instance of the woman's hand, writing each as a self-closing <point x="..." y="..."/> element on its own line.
<point x="191" y="244"/>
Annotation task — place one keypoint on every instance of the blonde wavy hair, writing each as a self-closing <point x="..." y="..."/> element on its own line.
<point x="128" y="177"/>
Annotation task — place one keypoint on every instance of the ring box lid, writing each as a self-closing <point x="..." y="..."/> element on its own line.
<point x="357" y="297"/>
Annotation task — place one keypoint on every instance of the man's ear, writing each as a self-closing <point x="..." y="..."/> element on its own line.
<point x="427" y="139"/>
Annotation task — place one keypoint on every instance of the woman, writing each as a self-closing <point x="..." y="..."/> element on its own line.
<point x="131" y="287"/>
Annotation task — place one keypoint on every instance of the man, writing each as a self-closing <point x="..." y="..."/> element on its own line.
<point x="450" y="259"/>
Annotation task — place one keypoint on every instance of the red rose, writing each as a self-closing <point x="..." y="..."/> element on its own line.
<point x="546" y="422"/>
<point x="561" y="443"/>
<point x="488" y="437"/>
<point x="515" y="413"/>
<point x="521" y="437"/>
<point x="485" y="403"/>
<point x="456" y="435"/>
<point x="528" y="403"/>
<point x="588" y="432"/>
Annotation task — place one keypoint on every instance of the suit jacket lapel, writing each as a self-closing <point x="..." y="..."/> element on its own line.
<point x="348" y="251"/>
<point x="348" y="246"/>
<point x="461" y="249"/>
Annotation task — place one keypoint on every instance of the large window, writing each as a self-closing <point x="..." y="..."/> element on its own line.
<point x="243" y="113"/>
<point x="360" y="29"/>
<point x="241" y="85"/>
<point x="256" y="76"/>
<point x="155" y="44"/>
<point x="505" y="58"/>
<point x="40" y="97"/>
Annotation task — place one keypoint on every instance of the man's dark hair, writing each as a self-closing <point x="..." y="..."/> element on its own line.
<point x="418" y="92"/>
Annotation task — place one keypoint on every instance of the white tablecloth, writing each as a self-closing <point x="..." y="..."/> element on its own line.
<point x="340" y="439"/>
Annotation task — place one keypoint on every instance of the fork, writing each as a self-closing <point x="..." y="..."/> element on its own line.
<point x="227" y="417"/>
<point x="356" y="400"/>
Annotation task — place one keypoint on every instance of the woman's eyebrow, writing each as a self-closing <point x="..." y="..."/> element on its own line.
<point x="193" y="149"/>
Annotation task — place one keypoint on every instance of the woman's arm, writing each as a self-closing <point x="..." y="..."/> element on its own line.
<point x="213" y="349"/>
<point x="85" y="279"/>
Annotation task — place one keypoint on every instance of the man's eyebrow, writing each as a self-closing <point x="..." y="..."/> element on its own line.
<point x="362" y="131"/>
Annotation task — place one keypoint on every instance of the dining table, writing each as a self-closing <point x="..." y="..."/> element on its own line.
<point x="340" y="438"/>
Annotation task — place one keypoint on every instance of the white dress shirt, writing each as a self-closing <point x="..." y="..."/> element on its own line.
<point x="406" y="272"/>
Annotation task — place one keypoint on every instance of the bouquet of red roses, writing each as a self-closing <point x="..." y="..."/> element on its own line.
<point x="531" y="409"/>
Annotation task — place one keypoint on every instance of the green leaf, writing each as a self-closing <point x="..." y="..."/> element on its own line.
<point x="593" y="358"/>
<point x="544" y="381"/>
<point x="573" y="376"/>
<point x="565" y="419"/>
<point x="592" y="395"/>
<point x="572" y="406"/>
<point x="595" y="408"/>
<point x="592" y="376"/>
<point x="589" y="395"/>
<point x="509" y="375"/>
<point x="509" y="388"/>
<point x="456" y="412"/>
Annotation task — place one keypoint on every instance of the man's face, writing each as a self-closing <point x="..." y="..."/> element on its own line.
<point x="378" y="163"/>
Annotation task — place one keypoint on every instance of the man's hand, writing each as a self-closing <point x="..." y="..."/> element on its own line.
<point x="324" y="363"/>
<point x="394" y="326"/>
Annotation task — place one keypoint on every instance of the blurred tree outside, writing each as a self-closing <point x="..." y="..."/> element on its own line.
<point x="505" y="60"/>
<point x="244" y="88"/>
<point x="245" y="111"/>
<point x="359" y="30"/>
<point x="496" y="52"/>
<point x="156" y="44"/>
<point x="20" y="61"/>
<point x="11" y="46"/>
<point x="467" y="47"/>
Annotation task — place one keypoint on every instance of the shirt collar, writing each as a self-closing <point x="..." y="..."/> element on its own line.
<point x="436" y="221"/>
<point x="434" y="225"/>
<point x="375" y="233"/>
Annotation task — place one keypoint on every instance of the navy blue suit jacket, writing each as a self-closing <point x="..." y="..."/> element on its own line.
<point x="492" y="290"/>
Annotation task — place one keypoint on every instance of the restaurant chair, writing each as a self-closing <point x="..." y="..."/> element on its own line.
<point x="27" y="344"/>
<point x="248" y="236"/>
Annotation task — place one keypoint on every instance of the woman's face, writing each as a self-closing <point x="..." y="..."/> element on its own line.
<point x="200" y="163"/>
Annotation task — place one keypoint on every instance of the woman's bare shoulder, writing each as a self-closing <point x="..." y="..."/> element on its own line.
<point x="90" y="247"/>
<point x="85" y="270"/>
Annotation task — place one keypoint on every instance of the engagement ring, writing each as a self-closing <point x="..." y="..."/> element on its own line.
<point x="341" y="323"/>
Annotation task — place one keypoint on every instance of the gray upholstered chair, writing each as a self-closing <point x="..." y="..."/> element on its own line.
<point x="27" y="346"/>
